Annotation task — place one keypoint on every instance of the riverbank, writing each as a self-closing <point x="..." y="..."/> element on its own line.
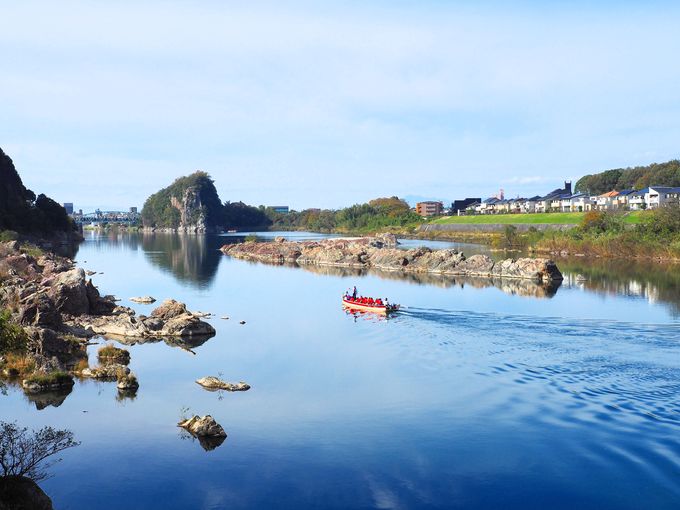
<point x="50" y="309"/>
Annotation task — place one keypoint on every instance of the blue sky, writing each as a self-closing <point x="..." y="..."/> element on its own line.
<point x="327" y="104"/>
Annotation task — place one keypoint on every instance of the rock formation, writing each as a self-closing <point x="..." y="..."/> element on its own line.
<point x="375" y="253"/>
<point x="213" y="383"/>
<point x="210" y="434"/>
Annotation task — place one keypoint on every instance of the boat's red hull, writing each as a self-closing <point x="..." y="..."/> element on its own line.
<point x="369" y="308"/>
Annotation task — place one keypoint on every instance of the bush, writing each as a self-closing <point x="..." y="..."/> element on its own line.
<point x="12" y="336"/>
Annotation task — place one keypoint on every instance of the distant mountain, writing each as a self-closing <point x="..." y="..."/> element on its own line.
<point x="22" y="211"/>
<point x="659" y="174"/>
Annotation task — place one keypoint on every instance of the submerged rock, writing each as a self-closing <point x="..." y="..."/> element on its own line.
<point x="213" y="383"/>
<point x="145" y="300"/>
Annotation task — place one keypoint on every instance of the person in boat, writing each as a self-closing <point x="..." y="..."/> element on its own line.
<point x="354" y="294"/>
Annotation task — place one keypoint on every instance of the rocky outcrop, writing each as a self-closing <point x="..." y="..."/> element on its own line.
<point x="376" y="253"/>
<point x="214" y="383"/>
<point x="47" y="382"/>
<point x="210" y="434"/>
<point x="111" y="371"/>
<point x="171" y="319"/>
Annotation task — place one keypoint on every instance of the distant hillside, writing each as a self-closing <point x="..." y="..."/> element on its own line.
<point x="191" y="204"/>
<point x="660" y="174"/>
<point x="22" y="211"/>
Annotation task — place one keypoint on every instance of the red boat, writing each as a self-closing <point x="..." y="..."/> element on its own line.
<point x="364" y="306"/>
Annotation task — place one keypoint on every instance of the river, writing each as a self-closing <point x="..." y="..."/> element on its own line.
<point x="479" y="394"/>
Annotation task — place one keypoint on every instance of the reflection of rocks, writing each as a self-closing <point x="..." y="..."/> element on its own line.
<point x="374" y="253"/>
<point x="213" y="383"/>
<point x="49" y="398"/>
<point x="209" y="443"/>
<point x="171" y="319"/>
<point x="518" y="287"/>
<point x="21" y="493"/>
<point x="209" y="433"/>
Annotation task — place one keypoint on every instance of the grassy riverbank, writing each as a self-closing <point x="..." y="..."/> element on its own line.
<point x="569" y="218"/>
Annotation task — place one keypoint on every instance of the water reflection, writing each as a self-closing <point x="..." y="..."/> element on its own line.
<point x="47" y="399"/>
<point x="191" y="259"/>
<point x="528" y="288"/>
<point x="653" y="281"/>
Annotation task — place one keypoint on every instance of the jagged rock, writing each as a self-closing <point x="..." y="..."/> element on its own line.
<point x="38" y="309"/>
<point x="48" y="343"/>
<point x="213" y="383"/>
<point x="145" y="300"/>
<point x="205" y="426"/>
<point x="69" y="292"/>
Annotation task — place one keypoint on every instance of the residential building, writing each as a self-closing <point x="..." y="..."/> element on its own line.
<point x="459" y="206"/>
<point x="636" y="200"/>
<point x="658" y="196"/>
<point x="580" y="202"/>
<point x="430" y="208"/>
<point x="607" y="201"/>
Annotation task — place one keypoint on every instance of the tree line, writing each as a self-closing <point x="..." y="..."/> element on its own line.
<point x="639" y="177"/>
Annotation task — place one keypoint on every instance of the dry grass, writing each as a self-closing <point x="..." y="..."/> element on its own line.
<point x="19" y="364"/>
<point x="111" y="354"/>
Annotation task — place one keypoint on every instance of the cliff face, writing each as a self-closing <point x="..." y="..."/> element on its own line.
<point x="22" y="211"/>
<point x="190" y="204"/>
<point x="15" y="199"/>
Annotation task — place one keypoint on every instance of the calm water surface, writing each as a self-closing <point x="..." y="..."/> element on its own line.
<point x="480" y="394"/>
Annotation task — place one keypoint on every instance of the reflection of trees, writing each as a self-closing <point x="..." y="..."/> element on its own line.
<point x="191" y="259"/>
<point x="650" y="280"/>
<point x="508" y="285"/>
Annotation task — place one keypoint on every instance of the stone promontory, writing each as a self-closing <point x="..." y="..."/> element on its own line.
<point x="379" y="253"/>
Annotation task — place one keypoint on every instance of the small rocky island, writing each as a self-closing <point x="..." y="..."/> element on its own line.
<point x="381" y="253"/>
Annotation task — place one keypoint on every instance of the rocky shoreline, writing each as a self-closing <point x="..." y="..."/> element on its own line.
<point x="381" y="253"/>
<point x="58" y="309"/>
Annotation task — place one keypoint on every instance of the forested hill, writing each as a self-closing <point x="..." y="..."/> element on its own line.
<point x="659" y="174"/>
<point x="191" y="200"/>
<point x="22" y="211"/>
<point x="191" y="203"/>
